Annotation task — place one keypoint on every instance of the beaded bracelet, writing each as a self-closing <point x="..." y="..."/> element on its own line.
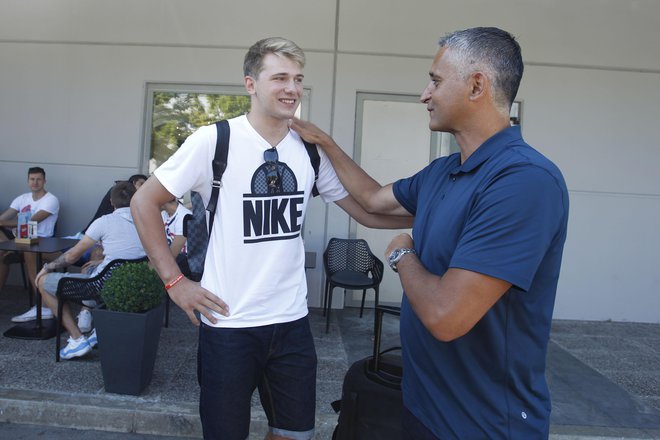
<point x="171" y="284"/>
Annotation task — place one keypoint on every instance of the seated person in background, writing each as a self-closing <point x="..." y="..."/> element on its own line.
<point x="105" y="207"/>
<point x="174" y="215"/>
<point x="119" y="237"/>
<point x="137" y="180"/>
<point x="44" y="209"/>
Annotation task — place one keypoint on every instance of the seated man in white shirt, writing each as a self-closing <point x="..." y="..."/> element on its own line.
<point x="42" y="207"/>
<point x="119" y="237"/>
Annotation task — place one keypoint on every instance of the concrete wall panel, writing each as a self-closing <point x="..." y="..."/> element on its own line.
<point x="610" y="33"/>
<point x="169" y="22"/>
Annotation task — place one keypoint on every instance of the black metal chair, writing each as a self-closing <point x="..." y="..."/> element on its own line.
<point x="350" y="264"/>
<point x="80" y="290"/>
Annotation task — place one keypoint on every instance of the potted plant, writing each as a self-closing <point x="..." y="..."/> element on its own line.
<point x="128" y="327"/>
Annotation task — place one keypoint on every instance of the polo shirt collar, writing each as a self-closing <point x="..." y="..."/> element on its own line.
<point x="490" y="147"/>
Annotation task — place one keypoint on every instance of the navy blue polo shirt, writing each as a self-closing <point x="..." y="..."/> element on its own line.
<point x="502" y="213"/>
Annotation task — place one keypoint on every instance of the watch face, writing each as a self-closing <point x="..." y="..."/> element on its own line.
<point x="393" y="258"/>
<point x="396" y="255"/>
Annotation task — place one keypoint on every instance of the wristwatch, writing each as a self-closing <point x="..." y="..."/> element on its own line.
<point x="397" y="254"/>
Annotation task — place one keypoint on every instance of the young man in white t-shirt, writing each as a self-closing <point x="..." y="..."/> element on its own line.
<point x="42" y="207"/>
<point x="253" y="294"/>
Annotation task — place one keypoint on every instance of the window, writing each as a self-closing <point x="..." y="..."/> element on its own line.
<point x="175" y="111"/>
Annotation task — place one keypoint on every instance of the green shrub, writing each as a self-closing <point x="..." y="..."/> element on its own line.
<point x="134" y="288"/>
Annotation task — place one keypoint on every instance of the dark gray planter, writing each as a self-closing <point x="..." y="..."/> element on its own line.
<point x="128" y="343"/>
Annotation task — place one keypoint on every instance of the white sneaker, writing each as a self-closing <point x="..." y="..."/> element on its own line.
<point x="75" y="348"/>
<point x="31" y="315"/>
<point x="84" y="321"/>
<point x="92" y="340"/>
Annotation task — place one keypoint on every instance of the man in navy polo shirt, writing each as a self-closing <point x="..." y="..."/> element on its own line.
<point x="481" y="274"/>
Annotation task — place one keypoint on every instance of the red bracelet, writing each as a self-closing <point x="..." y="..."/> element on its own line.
<point x="171" y="284"/>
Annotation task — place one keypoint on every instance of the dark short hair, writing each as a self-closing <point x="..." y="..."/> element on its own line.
<point x="37" y="170"/>
<point x="135" y="177"/>
<point x="121" y="194"/>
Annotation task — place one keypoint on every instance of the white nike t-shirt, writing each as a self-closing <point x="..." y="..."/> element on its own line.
<point x="256" y="257"/>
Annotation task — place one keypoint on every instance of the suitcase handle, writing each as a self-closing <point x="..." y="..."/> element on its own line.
<point x="378" y="329"/>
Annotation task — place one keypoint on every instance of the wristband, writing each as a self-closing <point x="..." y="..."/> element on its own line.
<point x="171" y="284"/>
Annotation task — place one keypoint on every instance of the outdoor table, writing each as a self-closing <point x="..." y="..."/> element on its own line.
<point x="36" y="329"/>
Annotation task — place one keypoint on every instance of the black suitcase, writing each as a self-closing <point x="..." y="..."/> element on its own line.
<point x="371" y="402"/>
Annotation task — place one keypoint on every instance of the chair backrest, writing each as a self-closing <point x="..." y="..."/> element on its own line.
<point x="348" y="254"/>
<point x="81" y="289"/>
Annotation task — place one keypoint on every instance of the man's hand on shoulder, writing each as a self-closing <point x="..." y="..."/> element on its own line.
<point x="310" y="132"/>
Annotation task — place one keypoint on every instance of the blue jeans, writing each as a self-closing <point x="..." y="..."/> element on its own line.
<point x="279" y="360"/>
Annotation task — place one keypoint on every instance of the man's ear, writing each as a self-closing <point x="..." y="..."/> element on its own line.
<point x="249" y="84"/>
<point x="479" y="84"/>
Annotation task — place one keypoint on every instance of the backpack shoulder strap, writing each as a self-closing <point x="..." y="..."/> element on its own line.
<point x="315" y="159"/>
<point x="219" y="164"/>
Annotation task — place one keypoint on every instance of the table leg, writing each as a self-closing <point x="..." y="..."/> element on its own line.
<point x="40" y="263"/>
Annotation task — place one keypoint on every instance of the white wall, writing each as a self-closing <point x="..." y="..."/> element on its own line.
<point x="73" y="73"/>
<point x="610" y="268"/>
<point x="393" y="142"/>
<point x="599" y="127"/>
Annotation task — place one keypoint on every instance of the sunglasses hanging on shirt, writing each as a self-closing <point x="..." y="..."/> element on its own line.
<point x="273" y="178"/>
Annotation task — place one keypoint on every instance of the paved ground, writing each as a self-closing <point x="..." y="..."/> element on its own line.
<point x="13" y="431"/>
<point x="604" y="378"/>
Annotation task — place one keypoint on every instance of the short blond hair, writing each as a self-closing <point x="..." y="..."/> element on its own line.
<point x="253" y="63"/>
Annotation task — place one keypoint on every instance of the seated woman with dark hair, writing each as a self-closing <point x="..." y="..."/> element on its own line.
<point x="105" y="207"/>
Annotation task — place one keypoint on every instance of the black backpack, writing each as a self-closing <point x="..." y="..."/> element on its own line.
<point x="195" y="228"/>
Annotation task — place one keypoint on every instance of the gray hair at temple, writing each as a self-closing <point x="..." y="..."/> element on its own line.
<point x="492" y="51"/>
<point x="253" y="63"/>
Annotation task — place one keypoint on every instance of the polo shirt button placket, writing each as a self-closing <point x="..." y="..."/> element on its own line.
<point x="453" y="179"/>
